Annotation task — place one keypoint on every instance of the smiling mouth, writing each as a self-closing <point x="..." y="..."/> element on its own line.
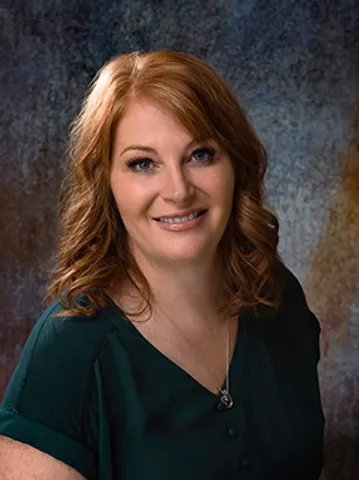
<point x="183" y="219"/>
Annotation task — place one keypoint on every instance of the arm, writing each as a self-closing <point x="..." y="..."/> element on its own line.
<point x="45" y="405"/>
<point x="19" y="461"/>
<point x="322" y="476"/>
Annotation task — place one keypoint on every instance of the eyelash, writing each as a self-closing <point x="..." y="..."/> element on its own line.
<point x="132" y="164"/>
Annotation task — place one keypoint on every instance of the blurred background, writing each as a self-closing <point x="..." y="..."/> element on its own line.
<point x="294" y="66"/>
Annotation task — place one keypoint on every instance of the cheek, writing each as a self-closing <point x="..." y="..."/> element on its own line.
<point x="131" y="197"/>
<point x="220" y="186"/>
<point x="122" y="195"/>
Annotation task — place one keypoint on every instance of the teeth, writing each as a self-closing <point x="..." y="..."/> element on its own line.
<point x="180" y="219"/>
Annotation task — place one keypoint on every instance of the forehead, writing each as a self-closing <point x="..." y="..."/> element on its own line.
<point x="146" y="122"/>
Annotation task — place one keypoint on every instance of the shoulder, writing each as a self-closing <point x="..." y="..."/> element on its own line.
<point x="46" y="403"/>
<point x="293" y="324"/>
<point x="292" y="297"/>
<point x="295" y="316"/>
<point x="79" y="334"/>
<point x="58" y="355"/>
<point x="293" y="287"/>
<point x="294" y="301"/>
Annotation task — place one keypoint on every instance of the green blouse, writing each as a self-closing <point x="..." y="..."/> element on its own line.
<point x="94" y="393"/>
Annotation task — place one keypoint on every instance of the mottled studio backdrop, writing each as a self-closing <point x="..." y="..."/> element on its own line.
<point x="294" y="66"/>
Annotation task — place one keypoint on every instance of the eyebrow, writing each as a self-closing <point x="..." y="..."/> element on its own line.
<point x="153" y="150"/>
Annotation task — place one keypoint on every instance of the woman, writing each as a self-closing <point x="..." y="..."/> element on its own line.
<point x="177" y="344"/>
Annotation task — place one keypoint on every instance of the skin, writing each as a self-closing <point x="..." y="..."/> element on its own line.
<point x="20" y="461"/>
<point x="170" y="180"/>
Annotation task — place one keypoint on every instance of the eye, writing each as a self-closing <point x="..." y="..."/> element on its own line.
<point x="140" y="164"/>
<point x="204" y="155"/>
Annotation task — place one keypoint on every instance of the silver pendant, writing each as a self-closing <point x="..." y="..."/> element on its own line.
<point x="226" y="399"/>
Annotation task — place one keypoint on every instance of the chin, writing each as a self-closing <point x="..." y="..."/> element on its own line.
<point x="186" y="255"/>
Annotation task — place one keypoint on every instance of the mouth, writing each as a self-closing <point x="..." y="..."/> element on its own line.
<point x="180" y="219"/>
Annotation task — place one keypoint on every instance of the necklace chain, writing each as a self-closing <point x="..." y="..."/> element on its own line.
<point x="225" y="396"/>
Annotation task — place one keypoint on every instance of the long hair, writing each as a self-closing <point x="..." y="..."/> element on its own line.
<point x="93" y="246"/>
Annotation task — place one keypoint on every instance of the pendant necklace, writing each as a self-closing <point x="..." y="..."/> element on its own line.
<point x="224" y="394"/>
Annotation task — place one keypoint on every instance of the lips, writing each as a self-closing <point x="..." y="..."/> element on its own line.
<point x="181" y="214"/>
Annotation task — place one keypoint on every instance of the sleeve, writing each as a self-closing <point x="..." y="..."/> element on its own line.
<point x="316" y="331"/>
<point x="46" y="401"/>
<point x="312" y="325"/>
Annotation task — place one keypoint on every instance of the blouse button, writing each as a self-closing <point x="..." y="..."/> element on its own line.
<point x="232" y="432"/>
<point x="220" y="406"/>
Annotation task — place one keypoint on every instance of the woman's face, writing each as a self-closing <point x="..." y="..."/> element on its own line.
<point x="176" y="176"/>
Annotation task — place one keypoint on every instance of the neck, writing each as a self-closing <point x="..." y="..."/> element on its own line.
<point x="190" y="294"/>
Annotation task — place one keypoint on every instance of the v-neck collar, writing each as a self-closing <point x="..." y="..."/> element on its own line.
<point x="173" y="364"/>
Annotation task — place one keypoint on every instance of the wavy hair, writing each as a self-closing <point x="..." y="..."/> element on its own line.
<point x="93" y="244"/>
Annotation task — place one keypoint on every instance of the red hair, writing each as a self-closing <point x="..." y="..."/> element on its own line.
<point x="93" y="247"/>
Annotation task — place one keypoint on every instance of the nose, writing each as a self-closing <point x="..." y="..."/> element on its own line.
<point x="177" y="187"/>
